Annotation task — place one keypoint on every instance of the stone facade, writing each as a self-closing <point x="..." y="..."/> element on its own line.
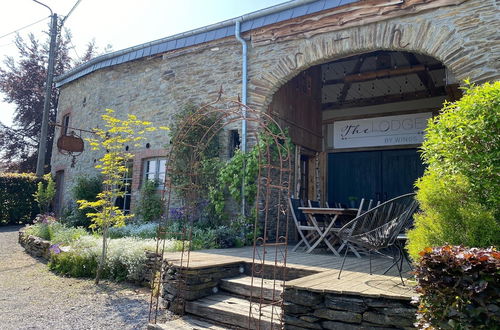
<point x="305" y="309"/>
<point x="154" y="88"/>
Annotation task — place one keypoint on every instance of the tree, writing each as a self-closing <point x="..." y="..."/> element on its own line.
<point x="113" y="167"/>
<point x="22" y="81"/>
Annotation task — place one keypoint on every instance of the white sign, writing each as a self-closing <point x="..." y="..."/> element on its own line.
<point x="379" y="131"/>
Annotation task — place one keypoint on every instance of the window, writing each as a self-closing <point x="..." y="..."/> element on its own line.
<point x="234" y="142"/>
<point x="154" y="169"/>
<point x="65" y="125"/>
<point x="124" y="202"/>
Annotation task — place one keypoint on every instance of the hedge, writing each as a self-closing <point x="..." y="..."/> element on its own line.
<point x="17" y="203"/>
<point x="459" y="288"/>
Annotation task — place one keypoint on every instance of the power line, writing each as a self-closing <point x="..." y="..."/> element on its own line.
<point x="24" y="27"/>
<point x="74" y="6"/>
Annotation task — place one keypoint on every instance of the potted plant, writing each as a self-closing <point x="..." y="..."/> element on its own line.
<point x="353" y="201"/>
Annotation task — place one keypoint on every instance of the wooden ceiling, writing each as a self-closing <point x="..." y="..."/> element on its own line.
<point x="380" y="77"/>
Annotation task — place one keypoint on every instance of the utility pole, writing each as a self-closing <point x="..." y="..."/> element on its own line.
<point x="42" y="147"/>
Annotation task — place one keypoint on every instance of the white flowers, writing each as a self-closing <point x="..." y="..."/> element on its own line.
<point x="125" y="255"/>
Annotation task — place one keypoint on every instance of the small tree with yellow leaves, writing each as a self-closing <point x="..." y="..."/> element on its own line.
<point x="112" y="140"/>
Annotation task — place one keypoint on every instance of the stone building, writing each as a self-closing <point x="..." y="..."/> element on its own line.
<point x="353" y="80"/>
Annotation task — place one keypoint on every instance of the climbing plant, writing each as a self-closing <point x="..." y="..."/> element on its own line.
<point x="208" y="161"/>
<point x="244" y="168"/>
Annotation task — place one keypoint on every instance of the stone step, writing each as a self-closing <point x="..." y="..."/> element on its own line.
<point x="186" y="322"/>
<point x="234" y="312"/>
<point x="242" y="285"/>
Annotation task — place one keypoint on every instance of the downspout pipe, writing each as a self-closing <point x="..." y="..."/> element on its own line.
<point x="244" y="81"/>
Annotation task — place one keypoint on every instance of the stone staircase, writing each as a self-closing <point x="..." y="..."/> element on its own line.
<point x="230" y="305"/>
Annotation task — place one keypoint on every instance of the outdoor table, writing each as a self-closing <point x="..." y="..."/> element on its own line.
<point x="331" y="213"/>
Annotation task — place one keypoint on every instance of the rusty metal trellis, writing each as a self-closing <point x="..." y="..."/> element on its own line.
<point x="271" y="208"/>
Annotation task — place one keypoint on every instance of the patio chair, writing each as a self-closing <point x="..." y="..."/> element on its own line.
<point x="379" y="227"/>
<point x="308" y="233"/>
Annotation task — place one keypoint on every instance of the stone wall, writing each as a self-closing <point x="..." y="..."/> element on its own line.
<point x="154" y="88"/>
<point x="34" y="246"/>
<point x="312" y="310"/>
<point x="179" y="284"/>
<point x="461" y="37"/>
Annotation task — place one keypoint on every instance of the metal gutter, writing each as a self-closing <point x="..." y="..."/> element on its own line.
<point x="244" y="81"/>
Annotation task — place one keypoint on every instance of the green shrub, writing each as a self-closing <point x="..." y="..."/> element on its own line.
<point x="150" y="206"/>
<point x="465" y="139"/>
<point x="45" y="193"/>
<point x="55" y="232"/>
<point x="74" y="264"/>
<point x="87" y="189"/>
<point x="146" y="230"/>
<point x="60" y="234"/>
<point x="125" y="260"/>
<point x="203" y="237"/>
<point x="17" y="203"/>
<point x="39" y="230"/>
<point x="459" y="193"/>
<point x="458" y="288"/>
<point x="449" y="215"/>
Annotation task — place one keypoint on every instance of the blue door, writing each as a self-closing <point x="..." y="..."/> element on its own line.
<point x="378" y="175"/>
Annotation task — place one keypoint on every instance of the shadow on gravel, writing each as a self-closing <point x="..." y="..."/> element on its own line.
<point x="9" y="229"/>
<point x="129" y="309"/>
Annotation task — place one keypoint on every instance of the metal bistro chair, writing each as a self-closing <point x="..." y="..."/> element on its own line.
<point x="308" y="233"/>
<point x="379" y="227"/>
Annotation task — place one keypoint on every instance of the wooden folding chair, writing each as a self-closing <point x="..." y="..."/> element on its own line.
<point x="308" y="233"/>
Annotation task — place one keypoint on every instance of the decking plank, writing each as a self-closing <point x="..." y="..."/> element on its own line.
<point x="354" y="280"/>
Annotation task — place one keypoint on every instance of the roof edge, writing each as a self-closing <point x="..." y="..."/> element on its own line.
<point x="256" y="14"/>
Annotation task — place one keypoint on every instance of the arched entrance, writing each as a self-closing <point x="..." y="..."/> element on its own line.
<point x="358" y="122"/>
<point x="270" y="210"/>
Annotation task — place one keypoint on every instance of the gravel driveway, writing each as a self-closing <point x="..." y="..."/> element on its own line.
<point x="32" y="297"/>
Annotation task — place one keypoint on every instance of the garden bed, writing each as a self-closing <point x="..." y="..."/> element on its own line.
<point x="131" y="259"/>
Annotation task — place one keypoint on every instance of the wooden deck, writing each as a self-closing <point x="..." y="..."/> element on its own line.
<point x="324" y="268"/>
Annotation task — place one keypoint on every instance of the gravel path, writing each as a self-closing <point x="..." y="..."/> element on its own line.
<point x="32" y="297"/>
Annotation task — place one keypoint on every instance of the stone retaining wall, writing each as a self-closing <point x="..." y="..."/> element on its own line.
<point x="180" y="284"/>
<point x="34" y="246"/>
<point x="312" y="310"/>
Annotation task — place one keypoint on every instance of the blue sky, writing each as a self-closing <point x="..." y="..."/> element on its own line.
<point x="120" y="23"/>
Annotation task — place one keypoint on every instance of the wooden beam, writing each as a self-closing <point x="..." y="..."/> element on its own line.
<point x="358" y="13"/>
<point x="347" y="84"/>
<point x="384" y="99"/>
<point x="387" y="73"/>
<point x="382" y="74"/>
<point x="424" y="76"/>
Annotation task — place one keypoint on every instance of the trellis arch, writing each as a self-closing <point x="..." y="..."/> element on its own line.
<point x="271" y="206"/>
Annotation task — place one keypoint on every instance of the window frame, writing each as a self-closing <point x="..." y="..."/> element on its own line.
<point x="65" y="124"/>
<point x="159" y="172"/>
<point x="125" y="202"/>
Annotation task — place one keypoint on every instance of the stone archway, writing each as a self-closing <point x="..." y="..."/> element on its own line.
<point x="423" y="36"/>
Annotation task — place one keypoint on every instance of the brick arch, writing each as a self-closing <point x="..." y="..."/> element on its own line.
<point x="440" y="42"/>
